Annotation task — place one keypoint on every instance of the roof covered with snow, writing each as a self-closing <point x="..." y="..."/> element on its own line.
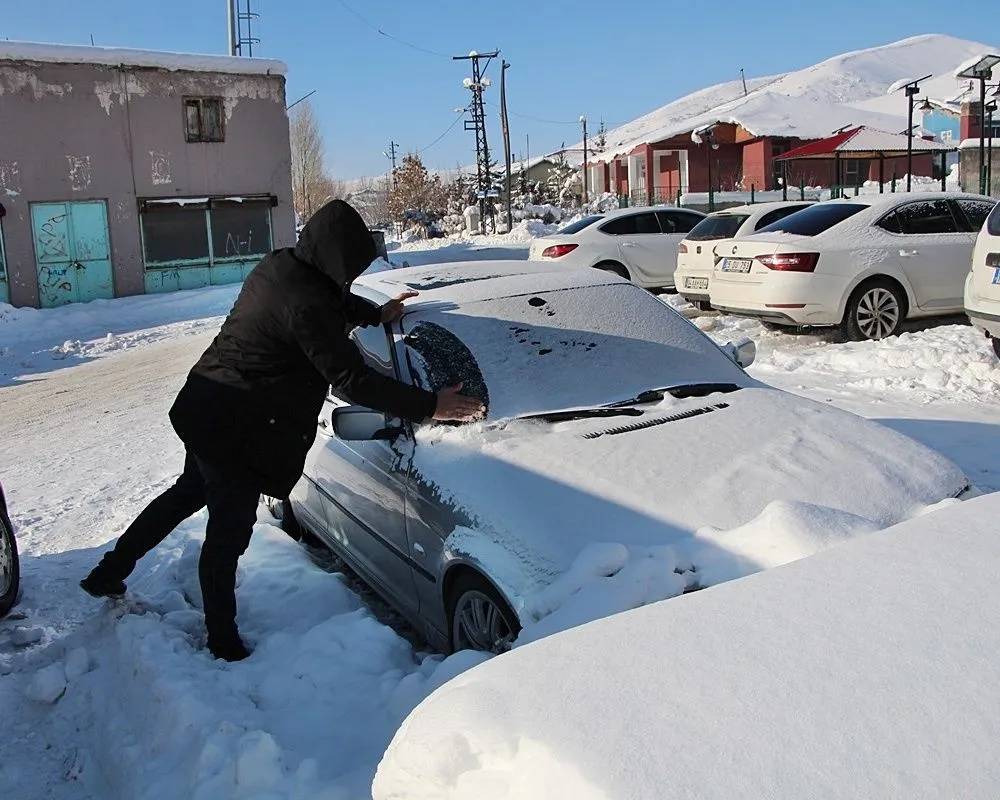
<point x="811" y="103"/>
<point x="123" y="56"/>
<point x="863" y="141"/>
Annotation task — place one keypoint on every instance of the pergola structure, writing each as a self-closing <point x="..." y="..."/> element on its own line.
<point x="866" y="143"/>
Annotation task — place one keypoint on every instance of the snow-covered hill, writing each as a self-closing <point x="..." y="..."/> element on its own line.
<point x="848" y="89"/>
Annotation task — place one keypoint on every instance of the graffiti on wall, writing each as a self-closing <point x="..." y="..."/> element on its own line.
<point x="52" y="238"/>
<point x="10" y="178"/>
<point x="79" y="172"/>
<point x="160" y="168"/>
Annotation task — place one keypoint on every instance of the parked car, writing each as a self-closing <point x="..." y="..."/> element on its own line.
<point x="601" y="426"/>
<point x="982" y="286"/>
<point x="10" y="575"/>
<point x="696" y="252"/>
<point x="865" y="263"/>
<point x="639" y="244"/>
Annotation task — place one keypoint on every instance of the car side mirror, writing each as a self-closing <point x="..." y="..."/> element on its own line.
<point x="743" y="351"/>
<point x="360" y="424"/>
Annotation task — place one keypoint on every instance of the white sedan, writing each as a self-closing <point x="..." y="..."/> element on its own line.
<point x="863" y="263"/>
<point x="696" y="256"/>
<point x="982" y="286"/>
<point x="639" y="244"/>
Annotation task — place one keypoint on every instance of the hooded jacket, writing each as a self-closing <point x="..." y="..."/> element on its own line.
<point x="251" y="403"/>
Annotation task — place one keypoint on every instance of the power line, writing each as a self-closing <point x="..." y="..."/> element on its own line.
<point x="447" y="130"/>
<point x="396" y="39"/>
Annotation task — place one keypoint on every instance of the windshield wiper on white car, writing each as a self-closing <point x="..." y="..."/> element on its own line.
<point x="680" y="392"/>
<point x="585" y="413"/>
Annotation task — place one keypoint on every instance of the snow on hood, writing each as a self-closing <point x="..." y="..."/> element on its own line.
<point x="663" y="484"/>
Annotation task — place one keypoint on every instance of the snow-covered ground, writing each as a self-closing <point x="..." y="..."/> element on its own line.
<point x="120" y="701"/>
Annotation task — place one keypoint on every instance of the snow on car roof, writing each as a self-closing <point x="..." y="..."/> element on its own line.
<point x="895" y="198"/>
<point x="868" y="670"/>
<point x="126" y="56"/>
<point x="469" y="281"/>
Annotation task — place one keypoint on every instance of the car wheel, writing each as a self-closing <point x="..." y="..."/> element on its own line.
<point x="874" y="311"/>
<point x="281" y="510"/>
<point x="615" y="267"/>
<point x="10" y="575"/>
<point x="480" y="618"/>
<point x="996" y="345"/>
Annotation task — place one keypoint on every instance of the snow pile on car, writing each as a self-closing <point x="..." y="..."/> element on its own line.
<point x="866" y="671"/>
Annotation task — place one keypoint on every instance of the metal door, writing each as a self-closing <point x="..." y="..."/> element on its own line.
<point x="72" y="252"/>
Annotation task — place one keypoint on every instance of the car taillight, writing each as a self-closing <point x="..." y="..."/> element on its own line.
<point x="557" y="250"/>
<point x="683" y="248"/>
<point x="790" y="262"/>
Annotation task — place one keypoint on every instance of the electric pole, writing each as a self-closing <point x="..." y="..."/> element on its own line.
<point x="476" y="84"/>
<point x="391" y="155"/>
<point x="506" y="138"/>
<point x="583" y="121"/>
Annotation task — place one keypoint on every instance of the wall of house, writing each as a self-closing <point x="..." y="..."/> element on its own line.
<point x="90" y="132"/>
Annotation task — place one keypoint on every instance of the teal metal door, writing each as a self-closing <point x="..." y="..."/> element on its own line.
<point x="72" y="252"/>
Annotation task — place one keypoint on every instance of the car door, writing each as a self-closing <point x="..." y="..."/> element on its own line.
<point x="642" y="248"/>
<point x="674" y="226"/>
<point x="364" y="486"/>
<point x="932" y="251"/>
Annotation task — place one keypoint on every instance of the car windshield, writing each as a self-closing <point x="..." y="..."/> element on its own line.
<point x="561" y="349"/>
<point x="717" y="226"/>
<point x="814" y="219"/>
<point x="993" y="221"/>
<point x="579" y="225"/>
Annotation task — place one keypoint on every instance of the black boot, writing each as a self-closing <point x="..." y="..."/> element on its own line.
<point x="228" y="648"/>
<point x="98" y="584"/>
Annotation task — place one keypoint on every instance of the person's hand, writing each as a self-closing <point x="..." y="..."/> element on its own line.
<point x="393" y="310"/>
<point x="455" y="407"/>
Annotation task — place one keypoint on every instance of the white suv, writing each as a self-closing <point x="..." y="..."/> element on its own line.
<point x="982" y="286"/>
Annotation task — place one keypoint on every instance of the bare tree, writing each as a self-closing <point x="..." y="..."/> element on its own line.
<point x="311" y="186"/>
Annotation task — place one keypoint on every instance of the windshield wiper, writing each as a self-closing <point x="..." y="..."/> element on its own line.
<point x="585" y="413"/>
<point x="680" y="392"/>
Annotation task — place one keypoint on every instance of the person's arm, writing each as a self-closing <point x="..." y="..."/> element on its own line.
<point x="360" y="311"/>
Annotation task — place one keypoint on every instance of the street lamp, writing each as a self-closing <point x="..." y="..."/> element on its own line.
<point x="980" y="70"/>
<point x="912" y="90"/>
<point x="583" y="121"/>
<point x="990" y="108"/>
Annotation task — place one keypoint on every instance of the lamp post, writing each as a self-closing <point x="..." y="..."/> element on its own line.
<point x="990" y="108"/>
<point x="982" y="71"/>
<point x="583" y="121"/>
<point x="706" y="135"/>
<point x="912" y="90"/>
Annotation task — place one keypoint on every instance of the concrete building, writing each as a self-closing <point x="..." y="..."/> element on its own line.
<point x="125" y="171"/>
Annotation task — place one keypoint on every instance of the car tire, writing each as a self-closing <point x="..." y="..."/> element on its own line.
<point x="875" y="310"/>
<point x="996" y="345"/>
<point x="615" y="267"/>
<point x="703" y="305"/>
<point x="10" y="574"/>
<point x="472" y="626"/>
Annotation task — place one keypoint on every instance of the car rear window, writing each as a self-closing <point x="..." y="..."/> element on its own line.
<point x="721" y="226"/>
<point x="976" y="212"/>
<point x="815" y="219"/>
<point x="631" y="224"/>
<point x="579" y="225"/>
<point x="993" y="222"/>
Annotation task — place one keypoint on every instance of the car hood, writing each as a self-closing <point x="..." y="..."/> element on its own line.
<point x="537" y="492"/>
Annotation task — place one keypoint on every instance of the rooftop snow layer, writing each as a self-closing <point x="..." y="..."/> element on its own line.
<point x="848" y="89"/>
<point x="123" y="56"/>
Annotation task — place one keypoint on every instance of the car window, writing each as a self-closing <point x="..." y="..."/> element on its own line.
<point x="926" y="216"/>
<point x="774" y="216"/>
<point x="717" y="226"/>
<point x="632" y="223"/>
<point x="890" y="222"/>
<point x="445" y="361"/>
<point x="975" y="212"/>
<point x="580" y="224"/>
<point x="815" y="219"/>
<point x="667" y="223"/>
<point x="374" y="346"/>
<point x="993" y="222"/>
<point x="682" y="221"/>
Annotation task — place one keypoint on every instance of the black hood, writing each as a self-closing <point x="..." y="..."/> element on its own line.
<point x="337" y="242"/>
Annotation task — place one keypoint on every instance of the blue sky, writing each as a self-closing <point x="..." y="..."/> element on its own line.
<point x="602" y="59"/>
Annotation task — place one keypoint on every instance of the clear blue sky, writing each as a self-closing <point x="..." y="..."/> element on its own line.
<point x="610" y="59"/>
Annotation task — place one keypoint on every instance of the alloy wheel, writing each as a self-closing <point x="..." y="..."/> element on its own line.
<point x="6" y="562"/>
<point x="878" y="313"/>
<point x="480" y="624"/>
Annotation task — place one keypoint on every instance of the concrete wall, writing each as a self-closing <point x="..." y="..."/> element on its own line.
<point x="84" y="132"/>
<point x="968" y="167"/>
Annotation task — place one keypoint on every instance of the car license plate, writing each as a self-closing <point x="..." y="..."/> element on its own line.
<point x="696" y="283"/>
<point x="996" y="270"/>
<point x="736" y="264"/>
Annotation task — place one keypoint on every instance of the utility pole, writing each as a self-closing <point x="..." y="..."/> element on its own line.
<point x="476" y="84"/>
<point x="583" y="121"/>
<point x="392" y="157"/>
<point x="237" y="16"/>
<point x="504" y="123"/>
<point x="231" y="26"/>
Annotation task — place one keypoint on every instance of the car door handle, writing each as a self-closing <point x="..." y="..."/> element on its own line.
<point x="628" y="244"/>
<point x="909" y="253"/>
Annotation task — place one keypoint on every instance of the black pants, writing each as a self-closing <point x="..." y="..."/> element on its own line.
<point x="232" y="511"/>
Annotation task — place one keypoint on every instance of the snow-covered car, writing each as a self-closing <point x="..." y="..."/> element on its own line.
<point x="696" y="252"/>
<point x="982" y="285"/>
<point x="610" y="418"/>
<point x="866" y="671"/>
<point x="637" y="243"/>
<point x="10" y="576"/>
<point x="864" y="263"/>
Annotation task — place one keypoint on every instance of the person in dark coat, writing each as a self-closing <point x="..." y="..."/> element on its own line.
<point x="247" y="412"/>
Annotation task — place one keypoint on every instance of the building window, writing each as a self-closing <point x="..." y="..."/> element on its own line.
<point x="855" y="171"/>
<point x="778" y="167"/>
<point x="203" y="119"/>
<point x="205" y="234"/>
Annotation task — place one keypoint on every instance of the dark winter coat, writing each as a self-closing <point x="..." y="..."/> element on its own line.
<point x="251" y="402"/>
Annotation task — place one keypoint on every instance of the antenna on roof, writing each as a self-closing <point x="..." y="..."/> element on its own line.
<point x="848" y="126"/>
<point x="744" y="79"/>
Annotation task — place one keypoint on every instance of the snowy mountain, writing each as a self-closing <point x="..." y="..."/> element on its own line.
<point x="848" y="89"/>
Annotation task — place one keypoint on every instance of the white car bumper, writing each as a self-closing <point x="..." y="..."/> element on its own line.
<point x="785" y="298"/>
<point x="982" y="312"/>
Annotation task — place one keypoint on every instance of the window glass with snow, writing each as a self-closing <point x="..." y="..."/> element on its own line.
<point x="926" y="216"/>
<point x="240" y="228"/>
<point x="717" y="226"/>
<point x="976" y="212"/>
